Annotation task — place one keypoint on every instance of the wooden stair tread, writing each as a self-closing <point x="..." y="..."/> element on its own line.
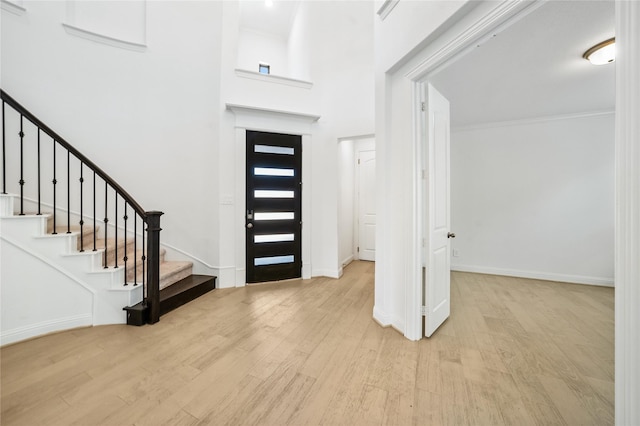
<point x="168" y="269"/>
<point x="170" y="266"/>
<point x="184" y="291"/>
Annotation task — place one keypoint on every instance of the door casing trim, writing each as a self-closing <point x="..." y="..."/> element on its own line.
<point x="275" y="121"/>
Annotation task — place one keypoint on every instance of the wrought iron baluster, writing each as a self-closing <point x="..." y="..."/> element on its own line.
<point x="144" y="257"/>
<point x="55" y="182"/>
<point x="95" y="230"/>
<point x="149" y="220"/>
<point x="106" y="220"/>
<point x="21" y="165"/>
<point x="4" y="155"/>
<point x="125" y="243"/>
<point x="135" y="249"/>
<point x="68" y="192"/>
<point x="39" y="185"/>
<point x="115" y="255"/>
<point x="81" y="206"/>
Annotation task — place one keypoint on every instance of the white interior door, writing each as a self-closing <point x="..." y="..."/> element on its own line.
<point x="437" y="224"/>
<point x="367" y="205"/>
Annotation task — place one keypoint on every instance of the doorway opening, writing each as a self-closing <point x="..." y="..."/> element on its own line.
<point x="356" y="199"/>
<point x="430" y="70"/>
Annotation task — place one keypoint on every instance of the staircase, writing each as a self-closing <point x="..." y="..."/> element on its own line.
<point x="64" y="267"/>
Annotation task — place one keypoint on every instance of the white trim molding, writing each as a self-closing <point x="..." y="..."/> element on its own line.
<point x="270" y="78"/>
<point x="45" y="327"/>
<point x="271" y="120"/>
<point x="103" y="39"/>
<point x="386" y="8"/>
<point x="381" y="317"/>
<point x="13" y="7"/>
<point x="495" y="21"/>
<point x="545" y="276"/>
<point x="248" y="117"/>
<point x="531" y="120"/>
<point x="627" y="258"/>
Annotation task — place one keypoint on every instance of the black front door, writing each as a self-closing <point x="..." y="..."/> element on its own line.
<point x="273" y="216"/>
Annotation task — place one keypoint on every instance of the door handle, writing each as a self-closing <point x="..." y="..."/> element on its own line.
<point x="451" y="235"/>
<point x="249" y="225"/>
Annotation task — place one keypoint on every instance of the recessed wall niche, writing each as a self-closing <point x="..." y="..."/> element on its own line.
<point x="274" y="32"/>
<point x="118" y="23"/>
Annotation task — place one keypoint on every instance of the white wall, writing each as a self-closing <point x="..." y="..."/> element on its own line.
<point x="148" y="118"/>
<point x="154" y="117"/>
<point x="255" y="47"/>
<point x="122" y="20"/>
<point x="410" y="26"/>
<point x="340" y="43"/>
<point x="26" y="308"/>
<point x="535" y="198"/>
<point x="298" y="52"/>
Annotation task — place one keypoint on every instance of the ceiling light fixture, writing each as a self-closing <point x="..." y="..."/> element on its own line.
<point x="268" y="3"/>
<point x="602" y="53"/>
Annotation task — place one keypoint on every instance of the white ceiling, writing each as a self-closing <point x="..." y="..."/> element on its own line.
<point x="535" y="67"/>
<point x="274" y="19"/>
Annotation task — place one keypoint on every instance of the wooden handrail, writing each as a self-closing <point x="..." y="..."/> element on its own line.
<point x="37" y="122"/>
<point x="151" y="218"/>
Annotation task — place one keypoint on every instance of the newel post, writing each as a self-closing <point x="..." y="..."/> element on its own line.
<point x="153" y="265"/>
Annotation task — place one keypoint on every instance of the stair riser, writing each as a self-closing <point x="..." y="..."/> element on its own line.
<point x="130" y="257"/>
<point x="169" y="302"/>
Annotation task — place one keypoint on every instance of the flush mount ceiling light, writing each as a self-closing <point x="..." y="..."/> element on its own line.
<point x="602" y="53"/>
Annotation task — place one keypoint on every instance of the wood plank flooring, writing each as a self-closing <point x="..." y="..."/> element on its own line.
<point x="514" y="352"/>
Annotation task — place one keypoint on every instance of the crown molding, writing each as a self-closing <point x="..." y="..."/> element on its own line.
<point x="531" y="120"/>
<point x="267" y="119"/>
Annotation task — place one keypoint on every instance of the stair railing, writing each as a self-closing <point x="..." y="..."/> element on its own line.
<point x="24" y="137"/>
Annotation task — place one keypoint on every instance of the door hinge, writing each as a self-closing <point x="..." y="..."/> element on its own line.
<point x="423" y="311"/>
<point x="358" y="161"/>
<point x="358" y="249"/>
<point x="423" y="106"/>
<point x="424" y="174"/>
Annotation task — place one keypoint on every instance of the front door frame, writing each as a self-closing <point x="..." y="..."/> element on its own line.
<point x="273" y="121"/>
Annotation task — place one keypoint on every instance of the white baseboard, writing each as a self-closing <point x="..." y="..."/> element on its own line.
<point x="344" y="264"/>
<point x="347" y="261"/>
<point x="331" y="273"/>
<point x="381" y="318"/>
<point x="574" y="279"/>
<point x="45" y="327"/>
<point x="226" y="277"/>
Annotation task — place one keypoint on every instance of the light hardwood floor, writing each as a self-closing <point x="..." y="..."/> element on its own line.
<point x="514" y="352"/>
